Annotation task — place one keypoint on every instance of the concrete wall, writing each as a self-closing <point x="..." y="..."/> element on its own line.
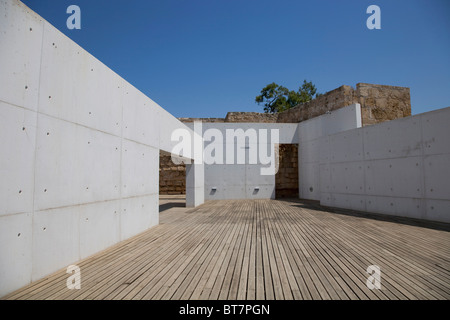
<point x="241" y="181"/>
<point x="312" y="134"/>
<point x="80" y="151"/>
<point x="400" y="167"/>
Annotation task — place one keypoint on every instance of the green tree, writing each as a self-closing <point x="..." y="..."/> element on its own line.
<point x="277" y="98"/>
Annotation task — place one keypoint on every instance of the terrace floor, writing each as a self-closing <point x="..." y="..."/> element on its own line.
<point x="263" y="249"/>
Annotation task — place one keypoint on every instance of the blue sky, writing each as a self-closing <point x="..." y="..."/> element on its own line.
<point x="203" y="58"/>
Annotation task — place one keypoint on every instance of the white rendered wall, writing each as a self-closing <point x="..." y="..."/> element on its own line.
<point x="313" y="146"/>
<point x="241" y="181"/>
<point x="79" y="164"/>
<point x="399" y="167"/>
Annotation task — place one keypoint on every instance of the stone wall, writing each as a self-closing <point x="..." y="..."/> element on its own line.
<point x="286" y="179"/>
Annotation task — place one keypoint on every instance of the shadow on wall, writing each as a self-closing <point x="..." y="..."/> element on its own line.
<point x="170" y="205"/>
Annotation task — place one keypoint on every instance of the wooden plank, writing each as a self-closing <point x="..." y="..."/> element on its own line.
<point x="282" y="288"/>
<point x="251" y="283"/>
<point x="268" y="284"/>
<point x="260" y="289"/>
<point x="238" y="279"/>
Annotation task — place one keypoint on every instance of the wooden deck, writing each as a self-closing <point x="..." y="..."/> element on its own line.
<point x="263" y="249"/>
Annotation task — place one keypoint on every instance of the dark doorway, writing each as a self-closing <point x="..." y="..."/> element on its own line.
<point x="286" y="179"/>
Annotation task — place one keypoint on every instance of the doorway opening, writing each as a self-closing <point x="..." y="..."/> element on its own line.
<point x="286" y="179"/>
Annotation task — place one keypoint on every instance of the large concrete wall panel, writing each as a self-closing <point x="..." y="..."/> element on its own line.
<point x="18" y="137"/>
<point x="138" y="214"/>
<point x="346" y="146"/>
<point x="140" y="169"/>
<point x="195" y="184"/>
<point x="261" y="191"/>
<point x="16" y="238"/>
<point x="325" y="177"/>
<point x="253" y="176"/>
<point x="240" y="176"/>
<point x="437" y="210"/>
<point x="396" y="206"/>
<point x="349" y="201"/>
<point x="398" y="177"/>
<point x="141" y="118"/>
<point x="347" y="177"/>
<point x="56" y="239"/>
<point x="74" y="164"/>
<point x="393" y="139"/>
<point x="168" y="125"/>
<point x="436" y="132"/>
<point x="99" y="226"/>
<point x="309" y="185"/>
<point x="318" y="138"/>
<point x="437" y="176"/>
<point x="309" y="149"/>
<point x="336" y="121"/>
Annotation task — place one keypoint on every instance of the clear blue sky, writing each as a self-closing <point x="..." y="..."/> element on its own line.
<point x="203" y="58"/>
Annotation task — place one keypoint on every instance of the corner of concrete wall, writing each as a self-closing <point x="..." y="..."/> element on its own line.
<point x="381" y="103"/>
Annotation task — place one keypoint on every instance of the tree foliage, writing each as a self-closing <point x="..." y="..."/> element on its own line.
<point x="277" y="98"/>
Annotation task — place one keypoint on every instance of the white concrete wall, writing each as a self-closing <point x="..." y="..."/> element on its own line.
<point x="313" y="146"/>
<point x="79" y="163"/>
<point x="399" y="167"/>
<point x="241" y="181"/>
